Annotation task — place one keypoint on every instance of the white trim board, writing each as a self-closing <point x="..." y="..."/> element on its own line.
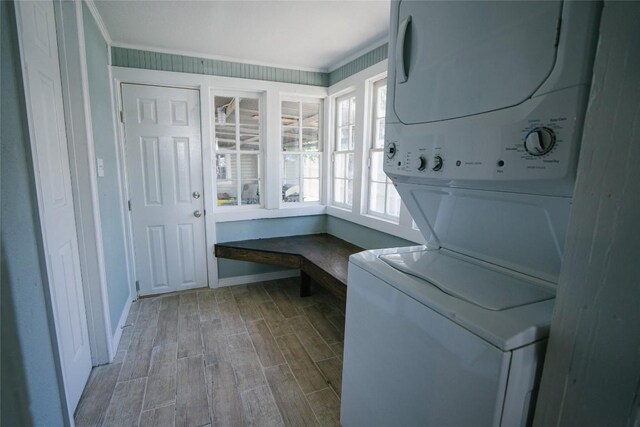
<point x="115" y="340"/>
<point x="253" y="278"/>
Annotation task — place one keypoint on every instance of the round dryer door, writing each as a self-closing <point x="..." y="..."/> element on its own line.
<point x="454" y="59"/>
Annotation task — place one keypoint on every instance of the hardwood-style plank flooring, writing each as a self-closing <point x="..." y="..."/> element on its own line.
<point x="247" y="355"/>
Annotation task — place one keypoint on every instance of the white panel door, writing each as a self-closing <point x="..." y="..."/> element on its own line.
<point x="43" y="90"/>
<point x="164" y="167"/>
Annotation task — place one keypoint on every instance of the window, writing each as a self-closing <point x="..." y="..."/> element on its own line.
<point x="301" y="151"/>
<point x="344" y="150"/>
<point x="238" y="143"/>
<point x="384" y="200"/>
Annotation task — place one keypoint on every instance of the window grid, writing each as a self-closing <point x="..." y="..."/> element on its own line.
<point x="383" y="199"/>
<point x="344" y="151"/>
<point x="306" y="185"/>
<point x="238" y="148"/>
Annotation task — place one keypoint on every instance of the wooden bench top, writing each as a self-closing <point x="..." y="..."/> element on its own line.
<point x="322" y="256"/>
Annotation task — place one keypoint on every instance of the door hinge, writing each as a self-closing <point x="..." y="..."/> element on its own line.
<point x="205" y="212"/>
<point x="129" y="204"/>
<point x="558" y="32"/>
<point x="138" y="286"/>
<point x="121" y="116"/>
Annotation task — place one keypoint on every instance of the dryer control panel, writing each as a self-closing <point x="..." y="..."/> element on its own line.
<point x="531" y="146"/>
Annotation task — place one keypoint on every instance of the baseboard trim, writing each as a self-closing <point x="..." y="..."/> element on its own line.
<point x="115" y="341"/>
<point x="243" y="280"/>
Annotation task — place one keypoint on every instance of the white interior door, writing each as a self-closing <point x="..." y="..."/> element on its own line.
<point x="164" y="167"/>
<point x="43" y="90"/>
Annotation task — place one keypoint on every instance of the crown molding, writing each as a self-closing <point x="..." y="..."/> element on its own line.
<point x="376" y="44"/>
<point x="99" y="22"/>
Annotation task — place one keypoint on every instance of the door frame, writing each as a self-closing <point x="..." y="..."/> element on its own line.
<point x="99" y="342"/>
<point x="73" y="67"/>
<point x="174" y="82"/>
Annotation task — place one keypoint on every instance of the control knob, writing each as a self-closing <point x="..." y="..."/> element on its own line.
<point x="539" y="141"/>
<point x="421" y="163"/>
<point x="391" y="150"/>
<point x="437" y="163"/>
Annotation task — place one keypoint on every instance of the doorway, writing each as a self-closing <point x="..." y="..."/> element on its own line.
<point x="164" y="167"/>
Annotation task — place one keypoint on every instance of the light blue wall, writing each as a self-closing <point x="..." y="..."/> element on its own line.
<point x="279" y="227"/>
<point x="108" y="188"/>
<point x="262" y="229"/>
<point x="29" y="392"/>
<point x="364" y="236"/>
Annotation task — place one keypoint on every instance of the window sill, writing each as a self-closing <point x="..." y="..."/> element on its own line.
<point x="379" y="224"/>
<point x="262" y="213"/>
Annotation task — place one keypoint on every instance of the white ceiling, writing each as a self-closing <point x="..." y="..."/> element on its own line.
<point x="303" y="34"/>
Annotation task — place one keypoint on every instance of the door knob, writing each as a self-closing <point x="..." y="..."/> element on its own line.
<point x="196" y="195"/>
<point x="197" y="214"/>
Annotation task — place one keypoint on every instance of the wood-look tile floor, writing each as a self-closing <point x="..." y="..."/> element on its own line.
<point x="255" y="355"/>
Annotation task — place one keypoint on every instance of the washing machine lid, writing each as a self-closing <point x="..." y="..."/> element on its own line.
<point x="462" y="58"/>
<point x="487" y="288"/>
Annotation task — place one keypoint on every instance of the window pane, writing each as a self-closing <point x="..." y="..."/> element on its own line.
<point x="290" y="138"/>
<point x="291" y="165"/>
<point x="352" y="110"/>
<point x="310" y="114"/>
<point x="224" y="169"/>
<point x="350" y="160"/>
<point x="377" y="197"/>
<point x="311" y="166"/>
<point x="227" y="182"/>
<point x="291" y="191"/>
<point x="249" y="138"/>
<point x="310" y="139"/>
<point x="378" y="139"/>
<point x="343" y="139"/>
<point x="339" y="168"/>
<point x="225" y="122"/>
<point x="393" y="201"/>
<point x="249" y="112"/>
<point x="352" y="130"/>
<point x="311" y="190"/>
<point x="290" y="115"/>
<point x="250" y="193"/>
<point x="338" y="190"/>
<point x="377" y="172"/>
<point x="343" y="112"/>
<point x="249" y="167"/>
<point x="228" y="193"/>
<point x="381" y="100"/>
<point x="349" y="193"/>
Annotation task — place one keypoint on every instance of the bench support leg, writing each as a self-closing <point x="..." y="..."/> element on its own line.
<point x="305" y="284"/>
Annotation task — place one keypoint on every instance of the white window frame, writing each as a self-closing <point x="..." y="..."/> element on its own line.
<point x="373" y="107"/>
<point x="301" y="152"/>
<point x="336" y="141"/>
<point x="237" y="151"/>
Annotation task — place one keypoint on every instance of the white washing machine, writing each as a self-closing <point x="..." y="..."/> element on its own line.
<point x="485" y="108"/>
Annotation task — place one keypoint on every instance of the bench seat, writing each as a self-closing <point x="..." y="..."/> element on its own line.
<point x="323" y="257"/>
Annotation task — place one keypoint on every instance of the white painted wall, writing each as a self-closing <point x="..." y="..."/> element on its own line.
<point x="592" y="371"/>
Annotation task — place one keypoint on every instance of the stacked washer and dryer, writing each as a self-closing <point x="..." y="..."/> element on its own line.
<point x="485" y="110"/>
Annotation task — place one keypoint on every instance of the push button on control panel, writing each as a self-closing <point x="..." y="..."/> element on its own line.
<point x="437" y="163"/>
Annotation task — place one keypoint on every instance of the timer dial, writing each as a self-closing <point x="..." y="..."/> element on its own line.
<point x="391" y="150"/>
<point x="539" y="141"/>
<point x="421" y="163"/>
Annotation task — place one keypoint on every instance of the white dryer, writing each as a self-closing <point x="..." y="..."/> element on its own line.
<point x="485" y="109"/>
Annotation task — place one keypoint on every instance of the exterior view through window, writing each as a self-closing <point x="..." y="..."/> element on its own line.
<point x="301" y="151"/>
<point x="238" y="145"/>
<point x="343" y="154"/>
